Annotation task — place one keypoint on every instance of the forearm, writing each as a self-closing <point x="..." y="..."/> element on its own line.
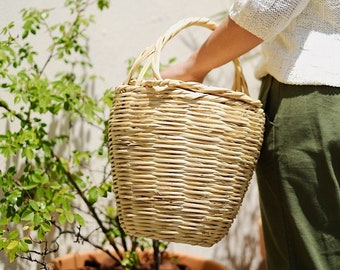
<point x="226" y="43"/>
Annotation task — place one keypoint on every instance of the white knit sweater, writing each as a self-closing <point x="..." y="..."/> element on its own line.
<point x="301" y="38"/>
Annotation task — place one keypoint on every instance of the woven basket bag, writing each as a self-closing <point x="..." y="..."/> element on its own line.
<point x="182" y="153"/>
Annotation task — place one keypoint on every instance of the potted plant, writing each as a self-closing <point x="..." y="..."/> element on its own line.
<point x="52" y="183"/>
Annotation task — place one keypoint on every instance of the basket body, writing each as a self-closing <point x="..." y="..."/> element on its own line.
<point x="181" y="159"/>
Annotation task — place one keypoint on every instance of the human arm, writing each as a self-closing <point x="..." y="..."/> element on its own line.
<point x="226" y="43"/>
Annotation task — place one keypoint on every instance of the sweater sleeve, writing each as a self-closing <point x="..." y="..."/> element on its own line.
<point x="266" y="18"/>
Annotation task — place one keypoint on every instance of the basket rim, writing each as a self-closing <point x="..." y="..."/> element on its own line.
<point x="195" y="87"/>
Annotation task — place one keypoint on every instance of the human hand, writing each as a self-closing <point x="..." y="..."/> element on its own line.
<point x="184" y="71"/>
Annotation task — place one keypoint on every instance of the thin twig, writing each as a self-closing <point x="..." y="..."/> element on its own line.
<point x="156" y="257"/>
<point x="93" y="212"/>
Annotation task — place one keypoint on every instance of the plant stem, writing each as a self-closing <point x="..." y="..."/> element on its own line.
<point x="156" y="257"/>
<point x="122" y="234"/>
<point x="94" y="213"/>
<point x="4" y="105"/>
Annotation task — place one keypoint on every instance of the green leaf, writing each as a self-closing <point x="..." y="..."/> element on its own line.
<point x="130" y="260"/>
<point x="103" y="4"/>
<point x="12" y="255"/>
<point x="23" y="246"/>
<point x="70" y="217"/>
<point x="55" y="185"/>
<point x="40" y="192"/>
<point x="28" y="215"/>
<point x="29" y="186"/>
<point x="47" y="150"/>
<point x="41" y="234"/>
<point x="37" y="219"/>
<point x="34" y="205"/>
<point x="3" y="220"/>
<point x="93" y="195"/>
<point x="16" y="219"/>
<point x="13" y="235"/>
<point x="66" y="204"/>
<point x="46" y="215"/>
<point x="27" y="240"/>
<point x="80" y="219"/>
<point x="44" y="179"/>
<point x="25" y="34"/>
<point x="28" y="153"/>
<point x="62" y="219"/>
<point x="14" y="196"/>
<point x="13" y="245"/>
<point x="35" y="177"/>
<point x="45" y="226"/>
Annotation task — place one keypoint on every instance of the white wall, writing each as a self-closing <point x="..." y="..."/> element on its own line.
<point x="121" y="33"/>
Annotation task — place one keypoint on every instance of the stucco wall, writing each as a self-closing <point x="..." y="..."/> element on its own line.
<point x="121" y="33"/>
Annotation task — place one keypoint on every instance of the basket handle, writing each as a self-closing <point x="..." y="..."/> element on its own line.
<point x="152" y="54"/>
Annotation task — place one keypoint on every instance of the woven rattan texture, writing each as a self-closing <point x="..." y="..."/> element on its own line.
<point x="182" y="156"/>
<point x="182" y="161"/>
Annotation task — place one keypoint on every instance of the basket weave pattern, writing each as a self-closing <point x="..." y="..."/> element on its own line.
<point x="182" y="156"/>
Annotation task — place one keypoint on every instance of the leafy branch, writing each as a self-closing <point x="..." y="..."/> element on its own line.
<point x="44" y="167"/>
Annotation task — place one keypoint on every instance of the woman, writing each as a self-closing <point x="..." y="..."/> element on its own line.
<point x="299" y="167"/>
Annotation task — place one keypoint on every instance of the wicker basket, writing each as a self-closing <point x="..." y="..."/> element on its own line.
<point x="182" y="153"/>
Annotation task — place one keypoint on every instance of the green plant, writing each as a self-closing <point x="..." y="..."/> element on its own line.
<point x="50" y="184"/>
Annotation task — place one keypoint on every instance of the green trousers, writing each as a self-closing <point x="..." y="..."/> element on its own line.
<point x="298" y="176"/>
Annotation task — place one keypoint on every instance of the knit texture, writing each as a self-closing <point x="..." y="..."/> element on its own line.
<point x="301" y="38"/>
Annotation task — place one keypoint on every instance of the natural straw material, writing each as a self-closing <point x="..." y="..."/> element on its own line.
<point x="182" y="153"/>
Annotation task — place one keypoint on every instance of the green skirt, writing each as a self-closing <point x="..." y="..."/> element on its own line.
<point x="298" y="176"/>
